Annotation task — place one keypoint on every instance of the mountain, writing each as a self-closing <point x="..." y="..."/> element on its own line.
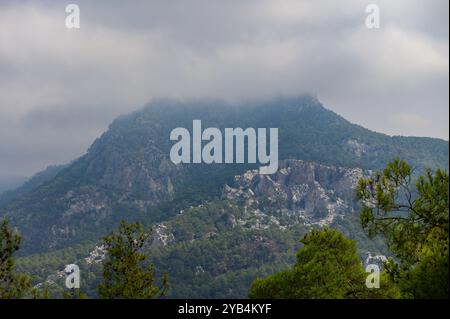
<point x="127" y="172"/>
<point x="216" y="226"/>
<point x="27" y="186"/>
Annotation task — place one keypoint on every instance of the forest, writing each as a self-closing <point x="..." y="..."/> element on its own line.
<point x="410" y="214"/>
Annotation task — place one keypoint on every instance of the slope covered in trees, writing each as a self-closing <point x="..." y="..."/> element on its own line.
<point x="127" y="172"/>
<point x="127" y="175"/>
<point x="414" y="219"/>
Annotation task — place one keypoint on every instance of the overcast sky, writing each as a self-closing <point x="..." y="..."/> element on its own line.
<point x="60" y="88"/>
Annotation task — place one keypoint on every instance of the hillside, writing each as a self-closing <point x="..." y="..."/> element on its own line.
<point x="217" y="248"/>
<point x="127" y="173"/>
<point x="29" y="185"/>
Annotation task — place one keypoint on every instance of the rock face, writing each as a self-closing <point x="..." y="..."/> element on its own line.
<point x="356" y="147"/>
<point x="113" y="180"/>
<point x="300" y="191"/>
<point x="97" y="255"/>
<point x="374" y="259"/>
<point x="161" y="236"/>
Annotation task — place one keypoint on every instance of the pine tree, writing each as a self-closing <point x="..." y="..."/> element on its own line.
<point x="124" y="272"/>
<point x="12" y="284"/>
<point x="327" y="266"/>
<point x="414" y="219"/>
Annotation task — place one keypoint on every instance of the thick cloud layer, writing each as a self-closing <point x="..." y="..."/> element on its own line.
<point x="60" y="88"/>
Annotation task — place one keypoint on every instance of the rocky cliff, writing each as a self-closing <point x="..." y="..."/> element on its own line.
<point x="300" y="192"/>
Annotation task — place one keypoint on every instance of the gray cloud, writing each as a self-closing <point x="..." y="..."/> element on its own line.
<point x="60" y="88"/>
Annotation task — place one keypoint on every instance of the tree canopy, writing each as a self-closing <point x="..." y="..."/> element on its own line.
<point x="414" y="219"/>
<point x="124" y="273"/>
<point x="12" y="284"/>
<point x="327" y="267"/>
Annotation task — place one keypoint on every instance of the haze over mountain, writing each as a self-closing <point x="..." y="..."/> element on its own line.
<point x="24" y="185"/>
<point x="11" y="182"/>
<point x="238" y="214"/>
<point x="60" y="88"/>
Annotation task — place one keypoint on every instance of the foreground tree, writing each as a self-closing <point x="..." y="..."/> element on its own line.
<point x="327" y="267"/>
<point x="124" y="272"/>
<point x="12" y="284"/>
<point x="414" y="219"/>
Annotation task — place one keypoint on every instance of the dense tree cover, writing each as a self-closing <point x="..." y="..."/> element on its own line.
<point x="44" y="269"/>
<point x="38" y="265"/>
<point x="124" y="272"/>
<point x="124" y="275"/>
<point x="12" y="284"/>
<point x="327" y="267"/>
<point x="139" y="142"/>
<point x="414" y="219"/>
<point x="210" y="257"/>
<point x="231" y="258"/>
<point x="213" y="256"/>
<point x="223" y="265"/>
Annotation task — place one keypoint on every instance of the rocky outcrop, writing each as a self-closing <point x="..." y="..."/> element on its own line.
<point x="161" y="236"/>
<point x="356" y="147"/>
<point x="96" y="256"/>
<point x="374" y="259"/>
<point x="300" y="191"/>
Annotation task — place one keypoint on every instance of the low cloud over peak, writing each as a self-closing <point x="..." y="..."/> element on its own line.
<point x="60" y="88"/>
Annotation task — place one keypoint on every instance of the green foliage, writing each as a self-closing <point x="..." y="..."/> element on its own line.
<point x="39" y="264"/>
<point x="124" y="275"/>
<point x="415" y="222"/>
<point x="12" y="284"/>
<point x="209" y="257"/>
<point x="74" y="294"/>
<point x="327" y="267"/>
<point x="224" y="265"/>
<point x="139" y="143"/>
